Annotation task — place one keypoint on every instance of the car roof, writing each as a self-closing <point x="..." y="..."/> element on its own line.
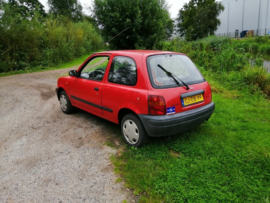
<point x="138" y="52"/>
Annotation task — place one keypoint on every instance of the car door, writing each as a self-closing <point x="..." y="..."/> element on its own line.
<point x="86" y="89"/>
<point x="119" y="88"/>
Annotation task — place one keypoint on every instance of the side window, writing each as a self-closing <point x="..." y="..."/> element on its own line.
<point x="123" y="71"/>
<point x="95" y="68"/>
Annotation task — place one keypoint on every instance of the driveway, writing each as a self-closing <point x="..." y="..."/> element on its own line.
<point x="47" y="156"/>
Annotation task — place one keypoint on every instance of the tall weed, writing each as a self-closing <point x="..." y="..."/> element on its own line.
<point x="258" y="78"/>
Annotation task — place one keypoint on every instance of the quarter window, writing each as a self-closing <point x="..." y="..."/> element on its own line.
<point x="123" y="71"/>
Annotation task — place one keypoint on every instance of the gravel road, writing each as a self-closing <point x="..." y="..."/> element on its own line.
<point x="47" y="156"/>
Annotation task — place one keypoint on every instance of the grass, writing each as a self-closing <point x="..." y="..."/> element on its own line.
<point x="72" y="63"/>
<point x="227" y="159"/>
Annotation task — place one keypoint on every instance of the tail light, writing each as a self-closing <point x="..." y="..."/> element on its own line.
<point x="156" y="105"/>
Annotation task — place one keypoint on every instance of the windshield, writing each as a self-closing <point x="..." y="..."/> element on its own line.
<point x="179" y="65"/>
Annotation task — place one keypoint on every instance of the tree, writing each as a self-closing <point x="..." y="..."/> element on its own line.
<point x="2" y="4"/>
<point x="198" y="18"/>
<point x="72" y="9"/>
<point x="26" y="8"/>
<point x="130" y="24"/>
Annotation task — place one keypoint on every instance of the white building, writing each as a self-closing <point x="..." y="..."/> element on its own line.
<point x="244" y="15"/>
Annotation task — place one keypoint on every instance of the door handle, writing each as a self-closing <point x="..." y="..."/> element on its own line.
<point x="96" y="89"/>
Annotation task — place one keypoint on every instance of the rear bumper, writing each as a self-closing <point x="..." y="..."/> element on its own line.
<point x="157" y="126"/>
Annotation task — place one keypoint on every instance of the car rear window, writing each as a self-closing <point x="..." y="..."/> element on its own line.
<point x="180" y="66"/>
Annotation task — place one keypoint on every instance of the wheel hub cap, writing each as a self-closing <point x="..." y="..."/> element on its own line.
<point x="131" y="131"/>
<point x="63" y="102"/>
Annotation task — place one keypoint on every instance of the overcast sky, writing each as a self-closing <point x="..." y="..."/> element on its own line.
<point x="175" y="5"/>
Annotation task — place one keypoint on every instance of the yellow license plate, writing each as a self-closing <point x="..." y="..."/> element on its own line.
<point x="193" y="99"/>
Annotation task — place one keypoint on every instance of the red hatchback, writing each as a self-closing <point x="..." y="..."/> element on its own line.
<point x="149" y="93"/>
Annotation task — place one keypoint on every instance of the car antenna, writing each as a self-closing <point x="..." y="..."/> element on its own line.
<point x="116" y="35"/>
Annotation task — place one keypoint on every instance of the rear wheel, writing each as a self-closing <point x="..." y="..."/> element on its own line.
<point x="133" y="131"/>
<point x="65" y="103"/>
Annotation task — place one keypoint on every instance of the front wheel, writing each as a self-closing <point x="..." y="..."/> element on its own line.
<point x="133" y="131"/>
<point x="65" y="103"/>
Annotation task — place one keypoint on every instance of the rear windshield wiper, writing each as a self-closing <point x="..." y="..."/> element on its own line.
<point x="173" y="76"/>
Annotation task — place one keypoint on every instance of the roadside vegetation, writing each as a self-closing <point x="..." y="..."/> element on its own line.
<point x="31" y="38"/>
<point x="227" y="159"/>
<point x="75" y="62"/>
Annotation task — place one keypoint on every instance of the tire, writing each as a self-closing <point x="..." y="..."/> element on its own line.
<point x="65" y="103"/>
<point x="133" y="131"/>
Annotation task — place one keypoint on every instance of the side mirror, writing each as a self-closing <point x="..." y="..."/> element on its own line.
<point x="73" y="73"/>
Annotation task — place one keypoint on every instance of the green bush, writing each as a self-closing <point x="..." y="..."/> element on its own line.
<point x="257" y="45"/>
<point x="265" y="49"/>
<point x="253" y="47"/>
<point x="44" y="42"/>
<point x="261" y="39"/>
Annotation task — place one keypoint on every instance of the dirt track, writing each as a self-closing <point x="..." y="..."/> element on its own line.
<point x="47" y="156"/>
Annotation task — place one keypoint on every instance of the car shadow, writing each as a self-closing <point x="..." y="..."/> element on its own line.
<point x="111" y="132"/>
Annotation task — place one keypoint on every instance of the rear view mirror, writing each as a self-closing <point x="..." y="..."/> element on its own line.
<point x="73" y="73"/>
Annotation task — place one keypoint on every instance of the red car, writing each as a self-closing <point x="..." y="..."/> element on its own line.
<point x="149" y="93"/>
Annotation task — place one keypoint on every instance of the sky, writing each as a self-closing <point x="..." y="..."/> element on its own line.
<point x="175" y="5"/>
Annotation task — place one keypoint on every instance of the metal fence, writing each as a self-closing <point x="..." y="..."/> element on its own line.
<point x="238" y="34"/>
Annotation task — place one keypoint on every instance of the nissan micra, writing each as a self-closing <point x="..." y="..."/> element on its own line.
<point x="149" y="93"/>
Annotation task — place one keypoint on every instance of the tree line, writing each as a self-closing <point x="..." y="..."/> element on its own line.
<point x="31" y="36"/>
